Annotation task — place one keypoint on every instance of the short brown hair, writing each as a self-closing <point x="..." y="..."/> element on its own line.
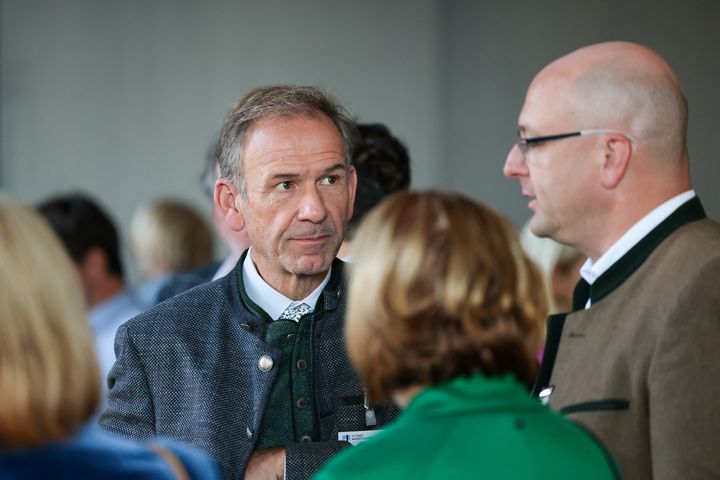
<point x="49" y="377"/>
<point x="273" y="102"/>
<point x="439" y="288"/>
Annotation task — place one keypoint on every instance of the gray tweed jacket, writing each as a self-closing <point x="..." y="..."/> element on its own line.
<point x="188" y="370"/>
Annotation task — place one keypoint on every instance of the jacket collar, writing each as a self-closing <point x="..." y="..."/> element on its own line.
<point x="614" y="276"/>
<point x="329" y="298"/>
<point x="474" y="394"/>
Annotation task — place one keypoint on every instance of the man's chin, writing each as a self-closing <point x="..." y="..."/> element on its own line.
<point x="538" y="226"/>
<point x="312" y="264"/>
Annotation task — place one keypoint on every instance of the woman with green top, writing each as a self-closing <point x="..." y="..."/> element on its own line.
<point x="445" y="317"/>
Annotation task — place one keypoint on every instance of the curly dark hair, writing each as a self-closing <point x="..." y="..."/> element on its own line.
<point x="382" y="163"/>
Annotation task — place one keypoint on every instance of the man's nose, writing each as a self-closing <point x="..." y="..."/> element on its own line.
<point x="312" y="206"/>
<point x="515" y="163"/>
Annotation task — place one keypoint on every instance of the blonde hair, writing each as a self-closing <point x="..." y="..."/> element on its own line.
<point x="49" y="377"/>
<point x="439" y="287"/>
<point x="549" y="256"/>
<point x="168" y="236"/>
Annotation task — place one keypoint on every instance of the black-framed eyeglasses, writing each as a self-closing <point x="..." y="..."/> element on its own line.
<point x="524" y="144"/>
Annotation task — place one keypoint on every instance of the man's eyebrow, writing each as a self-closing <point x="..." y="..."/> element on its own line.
<point x="282" y="175"/>
<point x="337" y="166"/>
<point x="290" y="176"/>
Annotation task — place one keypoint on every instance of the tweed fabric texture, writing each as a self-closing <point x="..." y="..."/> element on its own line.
<point x="188" y="369"/>
<point x="640" y="367"/>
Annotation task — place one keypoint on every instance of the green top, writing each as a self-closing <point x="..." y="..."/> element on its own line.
<point x="475" y="427"/>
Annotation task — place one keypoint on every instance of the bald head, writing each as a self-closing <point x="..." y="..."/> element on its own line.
<point x="587" y="190"/>
<point x="624" y="86"/>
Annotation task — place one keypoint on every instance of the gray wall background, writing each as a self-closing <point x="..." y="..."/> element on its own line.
<point x="122" y="99"/>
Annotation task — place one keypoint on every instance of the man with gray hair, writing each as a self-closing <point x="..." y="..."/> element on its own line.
<point x="603" y="158"/>
<point x="252" y="367"/>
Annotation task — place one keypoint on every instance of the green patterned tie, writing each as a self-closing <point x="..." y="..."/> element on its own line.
<point x="294" y="313"/>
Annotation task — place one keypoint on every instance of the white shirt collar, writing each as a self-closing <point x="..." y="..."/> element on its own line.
<point x="590" y="271"/>
<point x="270" y="300"/>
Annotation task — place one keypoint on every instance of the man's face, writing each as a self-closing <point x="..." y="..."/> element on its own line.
<point x="299" y="195"/>
<point x="556" y="176"/>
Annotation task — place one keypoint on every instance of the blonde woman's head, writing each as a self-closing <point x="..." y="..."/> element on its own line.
<point x="168" y="236"/>
<point x="49" y="378"/>
<point x="440" y="288"/>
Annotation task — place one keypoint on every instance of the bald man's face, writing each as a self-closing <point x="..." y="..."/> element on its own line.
<point x="555" y="176"/>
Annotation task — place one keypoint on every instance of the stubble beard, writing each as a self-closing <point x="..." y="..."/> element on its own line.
<point x="540" y="226"/>
<point x="311" y="260"/>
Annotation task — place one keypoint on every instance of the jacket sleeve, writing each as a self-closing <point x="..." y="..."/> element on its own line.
<point x="130" y="412"/>
<point x="302" y="460"/>
<point x="197" y="465"/>
<point x="683" y="383"/>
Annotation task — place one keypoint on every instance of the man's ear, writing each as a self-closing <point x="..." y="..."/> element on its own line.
<point x="618" y="151"/>
<point x="352" y="189"/>
<point x="227" y="199"/>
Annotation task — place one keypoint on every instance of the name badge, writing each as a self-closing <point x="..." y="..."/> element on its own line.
<point x="356" y="437"/>
<point x="545" y="393"/>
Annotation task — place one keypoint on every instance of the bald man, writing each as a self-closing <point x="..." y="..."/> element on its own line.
<point x="603" y="160"/>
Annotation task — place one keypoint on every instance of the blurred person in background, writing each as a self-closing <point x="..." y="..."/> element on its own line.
<point x="167" y="237"/>
<point x="237" y="241"/>
<point x="445" y="316"/>
<point x="560" y="265"/>
<point x="49" y="379"/>
<point x="383" y="167"/>
<point x="91" y="239"/>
